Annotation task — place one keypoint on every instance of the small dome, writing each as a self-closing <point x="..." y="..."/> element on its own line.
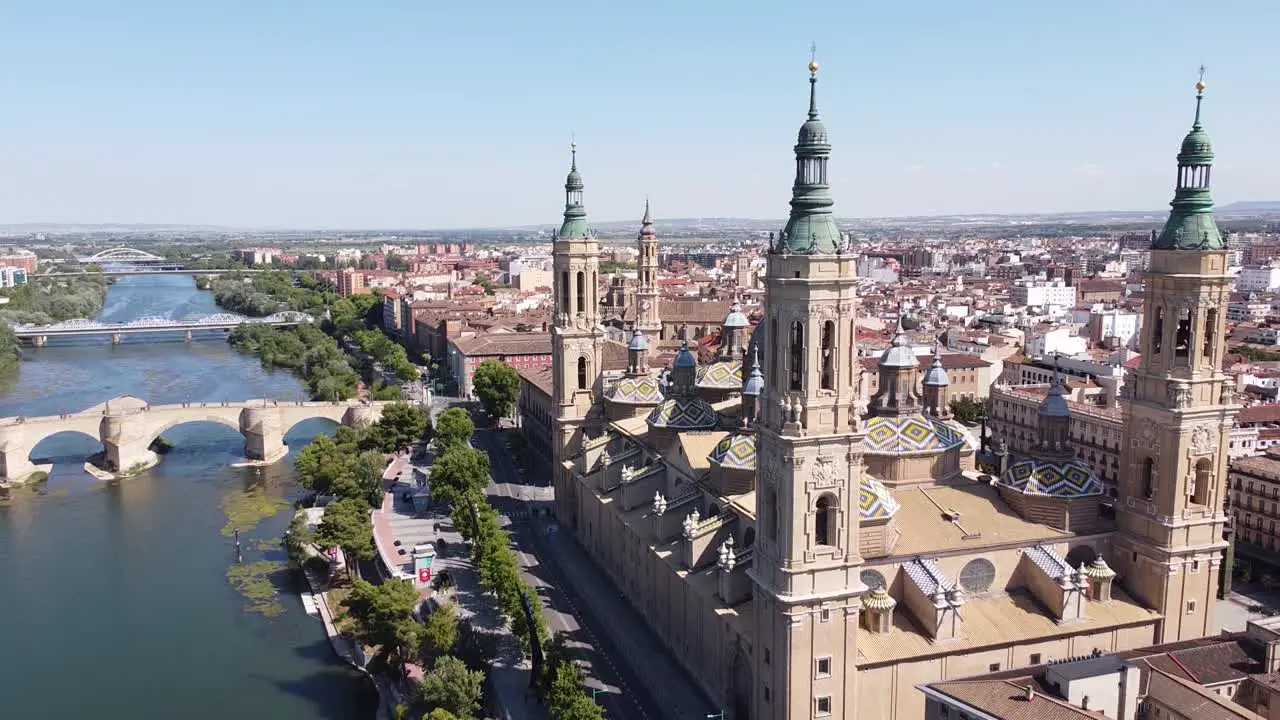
<point x="879" y="599"/>
<point x="1055" y="403"/>
<point x="754" y="386"/>
<point x="812" y="132"/>
<point x="1062" y="479"/>
<point x="643" y="390"/>
<point x="899" y="354"/>
<point x="684" y="413"/>
<point x="736" y="451"/>
<point x="735" y="318"/>
<point x="574" y="180"/>
<point x="685" y="358"/>
<point x="1196" y="147"/>
<point x="638" y="341"/>
<point x="936" y="375"/>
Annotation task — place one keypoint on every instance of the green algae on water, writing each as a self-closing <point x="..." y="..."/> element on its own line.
<point x="244" y="510"/>
<point x="253" y="581"/>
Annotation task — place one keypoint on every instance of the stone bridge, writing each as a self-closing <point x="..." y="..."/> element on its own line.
<point x="127" y="426"/>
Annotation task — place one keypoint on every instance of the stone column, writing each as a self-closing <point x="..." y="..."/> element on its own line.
<point x="126" y="446"/>
<point x="15" y="460"/>
<point x="263" y="434"/>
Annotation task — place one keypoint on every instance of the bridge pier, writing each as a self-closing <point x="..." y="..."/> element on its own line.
<point x="115" y="338"/>
<point x="263" y="434"/>
<point x="126" y="450"/>
<point x="40" y="340"/>
<point x="15" y="455"/>
<point x="188" y="336"/>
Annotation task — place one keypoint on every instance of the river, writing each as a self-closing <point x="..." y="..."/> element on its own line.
<point x="115" y="602"/>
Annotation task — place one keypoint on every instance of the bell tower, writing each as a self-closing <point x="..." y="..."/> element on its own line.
<point x="577" y="340"/>
<point x="648" y="320"/>
<point x="807" y="591"/>
<point x="1174" y="463"/>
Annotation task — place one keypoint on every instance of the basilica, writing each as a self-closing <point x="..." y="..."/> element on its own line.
<point x="808" y="552"/>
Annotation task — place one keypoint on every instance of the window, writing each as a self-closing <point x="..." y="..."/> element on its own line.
<point x="582" y="291"/>
<point x="977" y="576"/>
<point x="1195" y="566"/>
<point x="872" y="579"/>
<point x="824" y="667"/>
<point x="993" y="667"/>
<point x="944" y="712"/>
<point x="771" y="514"/>
<point x="564" y="292"/>
<point x="822" y="706"/>
<point x="766" y="656"/>
<point x="582" y="372"/>
<point x="824" y="615"/>
<point x="828" y="355"/>
<point x="1191" y="607"/>
<point x="1210" y="335"/>
<point x="797" y="355"/>
<point x="1148" y="478"/>
<point x="1200" y="493"/>
<point x="1182" y="338"/>
<point x="773" y="370"/>
<point x="766" y="694"/>
<point x="824" y="521"/>
<point x="1035" y="658"/>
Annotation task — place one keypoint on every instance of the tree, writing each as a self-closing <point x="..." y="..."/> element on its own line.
<point x="346" y="525"/>
<point x="459" y="475"/>
<point x="383" y="616"/>
<point x="454" y="427"/>
<point x="441" y="714"/>
<point x="367" y="474"/>
<point x="451" y="687"/>
<point x="498" y="386"/>
<point x="566" y="700"/>
<point x="440" y="634"/>
<point x="298" y="538"/>
<point x="968" y="410"/>
<point x="400" y="426"/>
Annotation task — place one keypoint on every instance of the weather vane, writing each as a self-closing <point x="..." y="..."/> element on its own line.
<point x="1200" y="84"/>
<point x="813" y="58"/>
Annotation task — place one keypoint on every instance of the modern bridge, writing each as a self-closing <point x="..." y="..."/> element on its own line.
<point x="141" y="270"/>
<point x="127" y="426"/>
<point x="120" y="255"/>
<point x="39" y="335"/>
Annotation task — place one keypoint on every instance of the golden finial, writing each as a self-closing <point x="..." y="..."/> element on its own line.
<point x="813" y="58"/>
<point x="1201" y="84"/>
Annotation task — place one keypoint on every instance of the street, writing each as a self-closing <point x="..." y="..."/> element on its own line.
<point x="635" y="673"/>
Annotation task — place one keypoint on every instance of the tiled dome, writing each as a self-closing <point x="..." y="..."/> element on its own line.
<point x="874" y="500"/>
<point x="1054" y="478"/>
<point x="722" y="375"/>
<point x="737" y="451"/>
<point x="912" y="434"/>
<point x="684" y="413"/>
<point x="643" y="390"/>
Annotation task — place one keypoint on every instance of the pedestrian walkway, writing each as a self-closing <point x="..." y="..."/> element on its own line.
<point x="609" y="611"/>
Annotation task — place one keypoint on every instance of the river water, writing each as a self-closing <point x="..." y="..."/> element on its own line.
<point x="114" y="597"/>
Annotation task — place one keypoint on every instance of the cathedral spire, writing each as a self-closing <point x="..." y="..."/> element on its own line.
<point x="575" y="213"/>
<point x="1190" y="225"/>
<point x="811" y="229"/>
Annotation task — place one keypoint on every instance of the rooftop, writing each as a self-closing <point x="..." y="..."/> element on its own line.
<point x="985" y="520"/>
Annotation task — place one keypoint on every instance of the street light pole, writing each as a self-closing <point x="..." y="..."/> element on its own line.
<point x="716" y="716"/>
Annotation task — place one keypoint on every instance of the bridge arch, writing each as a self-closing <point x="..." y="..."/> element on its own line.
<point x="121" y="254"/>
<point x="45" y="450"/>
<point x="158" y="430"/>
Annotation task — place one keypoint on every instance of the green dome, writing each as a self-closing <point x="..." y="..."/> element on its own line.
<point x="811" y="229"/>
<point x="1190" y="225"/>
<point x="1196" y="148"/>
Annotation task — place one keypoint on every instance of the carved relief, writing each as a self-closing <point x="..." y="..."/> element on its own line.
<point x="826" y="312"/>
<point x="823" y="474"/>
<point x="1203" y="441"/>
<point x="1148" y="436"/>
<point x="1179" y="396"/>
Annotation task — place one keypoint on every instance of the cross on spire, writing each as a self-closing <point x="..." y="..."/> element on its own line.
<point x="573" y="148"/>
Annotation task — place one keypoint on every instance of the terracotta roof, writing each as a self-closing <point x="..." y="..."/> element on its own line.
<point x="1224" y="662"/>
<point x="616" y="356"/>
<point x="540" y="378"/>
<point x="687" y="311"/>
<point x="505" y="344"/>
<point x="1259" y="413"/>
<point x="1192" y="701"/>
<point x="1008" y="700"/>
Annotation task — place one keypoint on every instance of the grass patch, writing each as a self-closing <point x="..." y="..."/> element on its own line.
<point x="267" y="545"/>
<point x="38" y="476"/>
<point x="253" y="581"/>
<point x="244" y="510"/>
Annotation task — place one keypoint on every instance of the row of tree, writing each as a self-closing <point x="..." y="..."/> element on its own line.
<point x="459" y="476"/>
<point x="307" y="351"/>
<point x="51" y="300"/>
<point x="385" y="352"/>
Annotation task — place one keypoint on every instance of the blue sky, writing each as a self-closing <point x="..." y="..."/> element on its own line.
<point x="415" y="113"/>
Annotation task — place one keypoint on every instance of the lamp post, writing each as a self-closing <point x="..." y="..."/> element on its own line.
<point x="716" y="716"/>
<point x="594" y="693"/>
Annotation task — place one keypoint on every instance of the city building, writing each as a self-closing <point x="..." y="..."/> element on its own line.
<point x="18" y="258"/>
<point x="806" y="551"/>
<point x="521" y="351"/>
<point x="1042" y="293"/>
<point x="1259" y="278"/>
<point x="970" y="376"/>
<point x="12" y="276"/>
<point x="254" y="257"/>
<point x="352" y="282"/>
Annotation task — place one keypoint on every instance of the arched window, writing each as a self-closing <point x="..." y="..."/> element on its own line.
<point x="1157" y="332"/>
<point x="595" y="288"/>
<point x="797" y="355"/>
<point x="713" y="511"/>
<point x="1148" y="478"/>
<point x="828" y="355"/>
<point x="872" y="579"/>
<point x="1210" y="335"/>
<point x="824" y="521"/>
<point x="773" y="366"/>
<point x="771" y="514"/>
<point x="1081" y="555"/>
<point x="582" y="291"/>
<point x="1182" y="338"/>
<point x="564" y="292"/>
<point x="1200" y="493"/>
<point x="748" y="538"/>
<point x="582" y="372"/>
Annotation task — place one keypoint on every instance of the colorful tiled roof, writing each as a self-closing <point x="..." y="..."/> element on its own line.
<point x="874" y="500"/>
<point x="642" y="390"/>
<point x="910" y="434"/>
<point x="1054" y="478"/>
<point x="736" y="451"/>
<point x="684" y="413"/>
<point x="926" y="575"/>
<point x="723" y="375"/>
